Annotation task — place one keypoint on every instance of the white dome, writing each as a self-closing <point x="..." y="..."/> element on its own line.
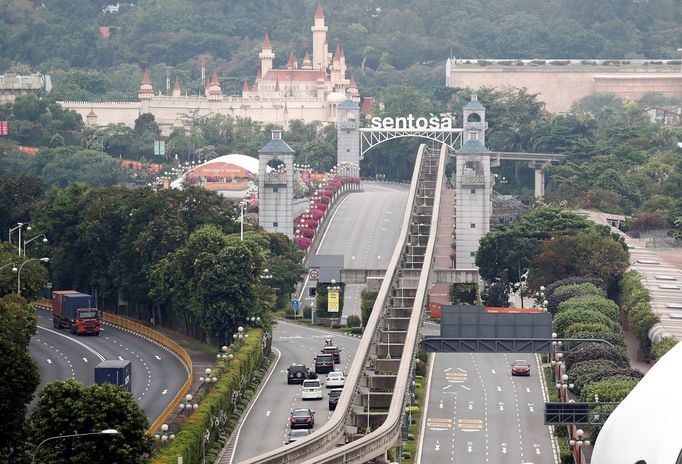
<point x="336" y="97"/>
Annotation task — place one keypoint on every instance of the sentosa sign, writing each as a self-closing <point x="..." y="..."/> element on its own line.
<point x="409" y="122"/>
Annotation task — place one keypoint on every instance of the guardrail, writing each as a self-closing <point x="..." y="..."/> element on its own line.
<point x="155" y="337"/>
<point x="386" y="436"/>
<point x="334" y="430"/>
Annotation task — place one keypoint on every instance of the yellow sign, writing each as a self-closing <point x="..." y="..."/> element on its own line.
<point x="333" y="301"/>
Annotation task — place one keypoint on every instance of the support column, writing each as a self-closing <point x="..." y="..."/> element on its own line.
<point x="539" y="169"/>
<point x="348" y="134"/>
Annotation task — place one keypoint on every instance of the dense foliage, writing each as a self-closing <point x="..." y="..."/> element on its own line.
<point x="566" y="292"/>
<point x="662" y="347"/>
<point x="594" y="303"/>
<point x="635" y="300"/>
<point x="367" y="299"/>
<point x="565" y="319"/>
<point x="594" y="351"/>
<point x="68" y="407"/>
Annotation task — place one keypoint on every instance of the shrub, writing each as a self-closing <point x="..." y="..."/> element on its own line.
<point x="575" y="280"/>
<point x="581" y="370"/>
<point x="585" y="327"/>
<point x="615" y="373"/>
<point x="615" y="338"/>
<point x="367" y="299"/>
<point x="353" y="321"/>
<point x="356" y="331"/>
<point x="608" y="390"/>
<point x="592" y="303"/>
<point x="566" y="292"/>
<point x="632" y="291"/>
<point x="641" y="320"/>
<point x="464" y="293"/>
<point x="307" y="312"/>
<point x="593" y="352"/>
<point x="567" y="318"/>
<point x="662" y="347"/>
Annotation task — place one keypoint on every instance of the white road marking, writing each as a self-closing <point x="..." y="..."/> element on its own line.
<point x="460" y="369"/>
<point x="267" y="413"/>
<point x="74" y="341"/>
<point x="157" y="356"/>
<point x="120" y="358"/>
<point x="493" y="371"/>
<point x="437" y="447"/>
<point x="164" y="392"/>
<point x="85" y="359"/>
<point x="504" y="448"/>
<point x="448" y="369"/>
<point x="499" y="389"/>
<point x="447" y="386"/>
<point x="465" y="387"/>
<point x="49" y="361"/>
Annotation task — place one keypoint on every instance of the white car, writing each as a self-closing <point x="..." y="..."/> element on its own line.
<point x="335" y="379"/>
<point x="311" y="390"/>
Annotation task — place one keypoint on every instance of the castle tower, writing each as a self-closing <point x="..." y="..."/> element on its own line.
<point x="293" y="62"/>
<point x="307" y="63"/>
<point x="266" y="56"/>
<point x="146" y="90"/>
<point x="91" y="118"/>
<point x="176" y="88"/>
<point x="473" y="184"/>
<point x="214" y="92"/>
<point x="342" y="65"/>
<point x="276" y="185"/>
<point x="319" y="40"/>
<point x="353" y="89"/>
<point x="348" y="133"/>
<point x="245" y="88"/>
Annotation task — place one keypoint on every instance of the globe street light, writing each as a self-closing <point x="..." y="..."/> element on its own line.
<point x="44" y="260"/>
<point x="20" y="226"/>
<point x="29" y="241"/>
<point x="164" y="436"/>
<point x="75" y="435"/>
<point x="14" y="267"/>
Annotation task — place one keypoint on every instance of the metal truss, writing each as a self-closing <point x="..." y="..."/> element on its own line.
<point x="504" y="345"/>
<point x="370" y="137"/>
<point x="578" y="413"/>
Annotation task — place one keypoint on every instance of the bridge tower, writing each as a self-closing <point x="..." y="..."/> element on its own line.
<point x="473" y="184"/>
<point x="348" y="133"/>
<point x="276" y="185"/>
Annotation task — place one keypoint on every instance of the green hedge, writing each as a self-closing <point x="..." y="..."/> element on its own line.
<point x="636" y="303"/>
<point x="188" y="441"/>
<point x="593" y="303"/>
<point x="662" y="347"/>
<point x="569" y="317"/>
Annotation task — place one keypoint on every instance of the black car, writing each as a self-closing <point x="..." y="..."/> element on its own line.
<point x="334" y="398"/>
<point x="324" y="363"/>
<point x="335" y="351"/>
<point x="297" y="373"/>
<point x="304" y="418"/>
<point x="297" y="434"/>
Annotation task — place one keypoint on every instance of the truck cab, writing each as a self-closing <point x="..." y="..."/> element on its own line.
<point x="75" y="311"/>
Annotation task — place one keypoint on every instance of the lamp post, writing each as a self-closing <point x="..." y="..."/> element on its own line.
<point x="164" y="435"/>
<point x="224" y="354"/>
<point x="44" y="260"/>
<point x="30" y="240"/>
<point x="577" y="441"/>
<point x="563" y="386"/>
<point x="187" y="405"/>
<point x="242" y="206"/>
<point x="209" y="378"/>
<point x="20" y="226"/>
<point x="14" y="267"/>
<point x="74" y="435"/>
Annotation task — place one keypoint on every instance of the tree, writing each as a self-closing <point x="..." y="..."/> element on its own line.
<point x="19" y="381"/>
<point x="367" y="299"/>
<point x="18" y="192"/>
<point x="18" y="320"/>
<point x="567" y="318"/>
<point x="68" y="407"/>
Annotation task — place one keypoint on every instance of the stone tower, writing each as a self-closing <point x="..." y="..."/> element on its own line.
<point x="348" y="132"/>
<point x="276" y="185"/>
<point x="266" y="55"/>
<point x="473" y="183"/>
<point x="319" y="40"/>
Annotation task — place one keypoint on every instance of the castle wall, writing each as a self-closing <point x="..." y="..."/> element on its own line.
<point x="558" y="87"/>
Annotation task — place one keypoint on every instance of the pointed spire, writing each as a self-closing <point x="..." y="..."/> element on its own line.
<point x="277" y="84"/>
<point x="266" y="42"/>
<point x="145" y="78"/>
<point x="214" y="78"/>
<point x="92" y="113"/>
<point x="177" y="85"/>
<point x="291" y="64"/>
<point x="319" y="13"/>
<point x="343" y="55"/>
<point x="352" y="84"/>
<point x="245" y="87"/>
<point x="286" y="110"/>
<point x="259" y="75"/>
<point x="337" y="53"/>
<point x="306" y="57"/>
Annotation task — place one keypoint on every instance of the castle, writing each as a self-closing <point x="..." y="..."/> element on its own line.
<point x="309" y="90"/>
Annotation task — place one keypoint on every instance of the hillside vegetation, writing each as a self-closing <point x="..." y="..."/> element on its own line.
<point x="386" y="41"/>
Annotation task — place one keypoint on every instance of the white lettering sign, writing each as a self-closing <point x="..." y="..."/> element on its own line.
<point x="409" y="122"/>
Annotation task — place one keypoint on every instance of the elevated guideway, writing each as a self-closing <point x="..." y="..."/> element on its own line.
<point x="368" y="418"/>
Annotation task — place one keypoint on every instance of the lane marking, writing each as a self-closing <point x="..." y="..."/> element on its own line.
<point x="85" y="359"/>
<point x="78" y="342"/>
<point x="49" y="361"/>
<point x="157" y="357"/>
<point x="319" y="247"/>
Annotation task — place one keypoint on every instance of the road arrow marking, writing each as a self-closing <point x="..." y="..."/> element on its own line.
<point x="440" y="405"/>
<point x="267" y="413"/>
<point x="437" y="446"/>
<point x="471" y="405"/>
<point x="352" y="257"/>
<point x="531" y="407"/>
<point x="446" y="387"/>
<point x="120" y="358"/>
<point x="537" y="448"/>
<point x="49" y="361"/>
<point x="460" y="369"/>
<point x="157" y="357"/>
<point x="527" y="389"/>
<point x="85" y="359"/>
<point x="501" y="406"/>
<point x="164" y="392"/>
<point x="499" y="389"/>
<point x="448" y="369"/>
<point x="493" y="371"/>
<point x="470" y="447"/>
<point x="465" y="387"/>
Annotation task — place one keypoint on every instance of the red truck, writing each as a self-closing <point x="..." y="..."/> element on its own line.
<point x="75" y="311"/>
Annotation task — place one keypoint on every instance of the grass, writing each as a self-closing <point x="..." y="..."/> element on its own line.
<point x="198" y="345"/>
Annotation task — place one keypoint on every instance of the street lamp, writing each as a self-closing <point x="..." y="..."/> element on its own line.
<point x="242" y="206"/>
<point x="20" y="226"/>
<point x="44" y="260"/>
<point x="75" y="435"/>
<point x="577" y="441"/>
<point x="164" y="436"/>
<point x="187" y="405"/>
<point x="224" y="354"/>
<point x="29" y="241"/>
<point x="14" y="267"/>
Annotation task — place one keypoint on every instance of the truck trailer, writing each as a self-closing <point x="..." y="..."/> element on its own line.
<point x="75" y="311"/>
<point x="115" y="372"/>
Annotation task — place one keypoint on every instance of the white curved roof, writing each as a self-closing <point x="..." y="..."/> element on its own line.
<point x="245" y="162"/>
<point x="646" y="424"/>
<point x="336" y="97"/>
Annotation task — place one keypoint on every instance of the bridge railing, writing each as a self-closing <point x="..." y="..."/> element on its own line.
<point x="334" y="431"/>
<point x="389" y="434"/>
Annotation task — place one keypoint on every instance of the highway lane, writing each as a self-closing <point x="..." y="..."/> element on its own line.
<point x="266" y="425"/>
<point x="478" y="412"/>
<point x="157" y="375"/>
<point x="366" y="226"/>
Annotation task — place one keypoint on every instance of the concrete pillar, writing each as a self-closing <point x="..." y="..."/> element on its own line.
<point x="539" y="169"/>
<point x="276" y="185"/>
<point x="348" y="134"/>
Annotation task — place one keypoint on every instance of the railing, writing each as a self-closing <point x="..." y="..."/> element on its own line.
<point x="333" y="431"/>
<point x="155" y="337"/>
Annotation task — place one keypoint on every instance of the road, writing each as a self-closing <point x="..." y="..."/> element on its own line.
<point x="477" y="412"/>
<point x="157" y="375"/>
<point x="266" y="425"/>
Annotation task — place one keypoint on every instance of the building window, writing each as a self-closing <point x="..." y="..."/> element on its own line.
<point x="474" y="136"/>
<point x="275" y="224"/>
<point x="473" y="190"/>
<point x="472" y="254"/>
<point x="472" y="225"/>
<point x="275" y="190"/>
<point x="347" y="132"/>
<point x="347" y="150"/>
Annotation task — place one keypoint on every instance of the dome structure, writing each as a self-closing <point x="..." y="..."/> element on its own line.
<point x="336" y="97"/>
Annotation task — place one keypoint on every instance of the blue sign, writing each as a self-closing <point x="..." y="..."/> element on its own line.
<point x="295" y="305"/>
